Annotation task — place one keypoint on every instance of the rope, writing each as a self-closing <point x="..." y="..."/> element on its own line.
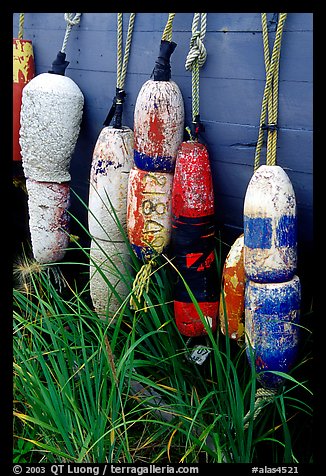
<point x="21" y="26"/>
<point x="270" y="96"/>
<point x="141" y="283"/>
<point x="123" y="63"/>
<point x="262" y="395"/>
<point x="196" y="58"/>
<point x="71" y="20"/>
<point x="167" y="33"/>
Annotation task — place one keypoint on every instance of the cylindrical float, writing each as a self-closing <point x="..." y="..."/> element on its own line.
<point x="109" y="290"/>
<point x="270" y="226"/>
<point x="111" y="164"/>
<point x="272" y="313"/>
<point x="23" y="72"/>
<point x="51" y="114"/>
<point x="48" y="203"/>
<point x="158" y="125"/>
<point x="149" y="211"/>
<point x="192" y="239"/>
<point x="231" y="310"/>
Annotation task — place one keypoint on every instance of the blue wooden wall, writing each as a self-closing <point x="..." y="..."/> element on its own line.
<point x="231" y="86"/>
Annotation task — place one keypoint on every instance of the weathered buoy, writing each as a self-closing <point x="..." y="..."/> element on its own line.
<point x="158" y="125"/>
<point x="231" y="310"/>
<point x="192" y="239"/>
<point x="109" y="268"/>
<point x="272" y="313"/>
<point x="149" y="211"/>
<point x="270" y="226"/>
<point x="51" y="114"/>
<point x="23" y="72"/>
<point x="48" y="204"/>
<point x="111" y="164"/>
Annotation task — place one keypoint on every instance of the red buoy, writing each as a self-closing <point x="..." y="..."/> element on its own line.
<point x="23" y="72"/>
<point x="192" y="239"/>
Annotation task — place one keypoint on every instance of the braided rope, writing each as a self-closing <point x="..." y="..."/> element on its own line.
<point x="273" y="67"/>
<point x="21" y="26"/>
<point x="141" y="283"/>
<point x="262" y="395"/>
<point x="122" y="65"/>
<point x="71" y="20"/>
<point x="196" y="58"/>
<point x="167" y="33"/>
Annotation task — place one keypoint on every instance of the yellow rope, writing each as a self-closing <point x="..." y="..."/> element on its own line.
<point x="167" y="33"/>
<point x="196" y="58"/>
<point x="262" y="395"/>
<point x="123" y="63"/>
<point x="141" y="284"/>
<point x="21" y="26"/>
<point x="272" y="68"/>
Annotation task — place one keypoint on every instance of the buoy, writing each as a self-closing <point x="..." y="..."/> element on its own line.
<point x="51" y="114"/>
<point x="107" y="215"/>
<point x="149" y="212"/>
<point x="48" y="204"/>
<point x="272" y="312"/>
<point x="231" y="310"/>
<point x="270" y="226"/>
<point x="192" y="239"/>
<point x="23" y="72"/>
<point x="158" y="125"/>
<point x="111" y="164"/>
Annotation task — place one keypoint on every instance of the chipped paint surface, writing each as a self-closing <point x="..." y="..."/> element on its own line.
<point x="51" y="113"/>
<point x="193" y="232"/>
<point x="48" y="219"/>
<point x="231" y="310"/>
<point x="113" y="259"/>
<point x="23" y="72"/>
<point x="111" y="164"/>
<point x="272" y="312"/>
<point x="149" y="211"/>
<point x="158" y="125"/>
<point x="270" y="226"/>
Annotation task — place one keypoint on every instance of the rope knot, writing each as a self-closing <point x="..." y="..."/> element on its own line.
<point x="197" y="52"/>
<point x="72" y="18"/>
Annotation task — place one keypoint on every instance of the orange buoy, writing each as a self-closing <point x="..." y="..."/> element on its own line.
<point x="23" y="72"/>
<point x="192" y="239"/>
<point x="231" y="312"/>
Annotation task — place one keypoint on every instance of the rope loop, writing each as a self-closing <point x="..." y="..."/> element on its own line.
<point x="262" y="395"/>
<point x="71" y="19"/>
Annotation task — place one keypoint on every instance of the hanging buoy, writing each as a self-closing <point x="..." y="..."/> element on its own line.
<point x="231" y="310"/>
<point x="51" y="114"/>
<point x="149" y="211"/>
<point x="23" y="72"/>
<point x="111" y="164"/>
<point x="192" y="239"/>
<point x="158" y="125"/>
<point x="270" y="226"/>
<point x="48" y="204"/>
<point x="272" y="313"/>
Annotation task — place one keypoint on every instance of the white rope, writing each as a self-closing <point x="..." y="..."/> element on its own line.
<point x="71" y="20"/>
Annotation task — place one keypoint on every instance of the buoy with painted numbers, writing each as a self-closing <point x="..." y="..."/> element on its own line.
<point x="51" y="114"/>
<point x="270" y="226"/>
<point x="192" y="240"/>
<point x="272" y="313"/>
<point x="23" y="72"/>
<point x="149" y="212"/>
<point x="231" y="310"/>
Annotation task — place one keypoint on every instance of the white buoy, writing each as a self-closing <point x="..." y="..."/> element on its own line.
<point x="48" y="203"/>
<point x="51" y="114"/>
<point x="270" y="226"/>
<point x="111" y="164"/>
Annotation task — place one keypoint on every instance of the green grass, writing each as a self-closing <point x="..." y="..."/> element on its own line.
<point x="87" y="391"/>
